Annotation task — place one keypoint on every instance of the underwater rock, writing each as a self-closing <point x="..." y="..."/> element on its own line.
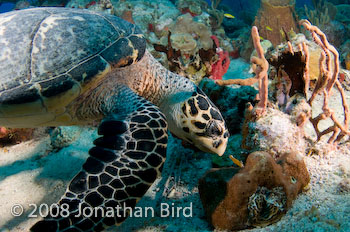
<point x="256" y="195"/>
<point x="344" y="186"/>
<point x="63" y="136"/>
<point x="275" y="132"/>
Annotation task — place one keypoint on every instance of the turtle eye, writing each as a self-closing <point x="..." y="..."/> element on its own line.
<point x="213" y="129"/>
<point x="227" y="134"/>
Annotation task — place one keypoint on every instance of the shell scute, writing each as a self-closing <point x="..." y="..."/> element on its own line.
<point x="16" y="34"/>
<point x="56" y="86"/>
<point x="23" y="94"/>
<point x="88" y="69"/>
<point x="69" y="38"/>
<point x="117" y="53"/>
<point x="139" y="44"/>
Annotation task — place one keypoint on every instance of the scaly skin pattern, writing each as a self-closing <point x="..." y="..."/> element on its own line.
<point x="122" y="165"/>
<point x="148" y="78"/>
<point x="190" y="114"/>
<point x="129" y="156"/>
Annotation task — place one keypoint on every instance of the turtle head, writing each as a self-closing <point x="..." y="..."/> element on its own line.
<point x="198" y="121"/>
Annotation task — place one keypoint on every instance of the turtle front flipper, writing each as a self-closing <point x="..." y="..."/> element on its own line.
<point x="122" y="165"/>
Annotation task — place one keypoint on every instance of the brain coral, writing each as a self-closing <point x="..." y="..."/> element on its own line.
<point x="183" y="42"/>
<point x="199" y="31"/>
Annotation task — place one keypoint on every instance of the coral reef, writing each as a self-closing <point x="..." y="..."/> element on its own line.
<point x="192" y="50"/>
<point x="265" y="133"/>
<point x="260" y="68"/>
<point x="234" y="27"/>
<point x="331" y="19"/>
<point x="193" y="45"/>
<point x="220" y="67"/>
<point x="291" y="96"/>
<point x="343" y="13"/>
<point x="216" y="13"/>
<point x="344" y="186"/>
<point x="179" y="35"/>
<point x="322" y="14"/>
<point x="9" y="136"/>
<point x="290" y="67"/>
<point x="266" y="206"/>
<point x="99" y="5"/>
<point x="186" y="25"/>
<point x="23" y="4"/>
<point x="151" y="16"/>
<point x="256" y="195"/>
<point x="328" y="78"/>
<point x="63" y="136"/>
<point x="287" y="53"/>
<point x="274" y="17"/>
<point x="194" y="7"/>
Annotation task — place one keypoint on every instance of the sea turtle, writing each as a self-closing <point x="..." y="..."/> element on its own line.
<point x="61" y="66"/>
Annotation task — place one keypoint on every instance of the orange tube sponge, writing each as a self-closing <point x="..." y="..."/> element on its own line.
<point x="258" y="194"/>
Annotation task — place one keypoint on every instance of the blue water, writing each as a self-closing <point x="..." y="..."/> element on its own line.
<point x="7" y="6"/>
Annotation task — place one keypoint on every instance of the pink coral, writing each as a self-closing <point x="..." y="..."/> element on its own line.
<point x="220" y="67"/>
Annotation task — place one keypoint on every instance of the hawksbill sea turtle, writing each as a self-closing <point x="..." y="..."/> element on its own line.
<point x="61" y="66"/>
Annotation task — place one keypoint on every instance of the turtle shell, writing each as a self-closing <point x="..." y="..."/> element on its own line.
<point x="48" y="56"/>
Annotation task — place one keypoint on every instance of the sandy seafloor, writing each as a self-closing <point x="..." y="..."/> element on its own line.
<point x="32" y="173"/>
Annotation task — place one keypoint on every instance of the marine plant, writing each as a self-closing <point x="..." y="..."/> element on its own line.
<point x="322" y="13"/>
<point x="216" y="13"/>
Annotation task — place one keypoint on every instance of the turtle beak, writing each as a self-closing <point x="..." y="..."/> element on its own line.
<point x="208" y="145"/>
<point x="221" y="147"/>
